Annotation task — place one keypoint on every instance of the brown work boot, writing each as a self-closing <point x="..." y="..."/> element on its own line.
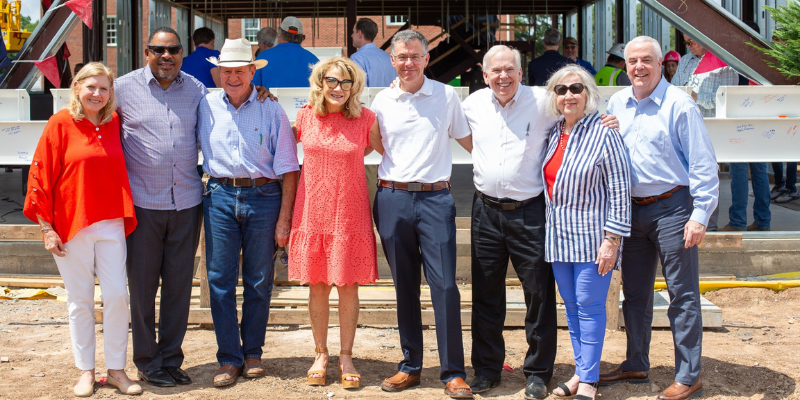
<point x="400" y="381"/>
<point x="456" y="388"/>
<point x="226" y="375"/>
<point x="253" y="368"/>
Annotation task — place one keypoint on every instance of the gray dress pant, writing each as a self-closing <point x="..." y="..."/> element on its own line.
<point x="162" y="246"/>
<point x="657" y="234"/>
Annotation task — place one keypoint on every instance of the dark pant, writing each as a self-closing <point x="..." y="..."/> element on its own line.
<point x="162" y="246"/>
<point x="419" y="227"/>
<point x="240" y="220"/>
<point x="519" y="234"/>
<point x="791" y="175"/>
<point x="657" y="234"/>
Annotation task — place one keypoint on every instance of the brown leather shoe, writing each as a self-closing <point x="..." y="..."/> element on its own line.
<point x="226" y="375"/>
<point x="679" y="391"/>
<point x="400" y="381"/>
<point x="619" y="376"/>
<point x="456" y="388"/>
<point x="253" y="368"/>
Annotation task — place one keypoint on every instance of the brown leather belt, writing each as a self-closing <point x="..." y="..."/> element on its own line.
<point x="415" y="186"/>
<point x="503" y="204"/>
<point x="244" y="182"/>
<point x="643" y="201"/>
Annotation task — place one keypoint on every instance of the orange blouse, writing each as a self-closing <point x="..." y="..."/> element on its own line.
<point x="552" y="167"/>
<point x="78" y="176"/>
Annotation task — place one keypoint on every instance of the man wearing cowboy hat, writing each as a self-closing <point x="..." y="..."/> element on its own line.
<point x="248" y="146"/>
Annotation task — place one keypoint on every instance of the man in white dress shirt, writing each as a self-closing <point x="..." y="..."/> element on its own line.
<point x="510" y="130"/>
<point x="414" y="211"/>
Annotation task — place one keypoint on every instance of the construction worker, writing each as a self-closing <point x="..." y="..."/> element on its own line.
<point x="613" y="73"/>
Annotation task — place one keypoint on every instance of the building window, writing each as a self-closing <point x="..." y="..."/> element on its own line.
<point x="250" y="28"/>
<point x="111" y="30"/>
<point x="396" y="19"/>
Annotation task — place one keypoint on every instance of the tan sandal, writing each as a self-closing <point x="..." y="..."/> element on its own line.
<point x="348" y="384"/>
<point x="318" y="381"/>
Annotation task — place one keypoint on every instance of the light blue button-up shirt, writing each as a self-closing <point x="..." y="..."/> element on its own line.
<point x="668" y="146"/>
<point x="255" y="141"/>
<point x="377" y="64"/>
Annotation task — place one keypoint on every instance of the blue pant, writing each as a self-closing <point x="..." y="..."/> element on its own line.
<point x="791" y="175"/>
<point x="739" y="194"/>
<point x="584" y="292"/>
<point x="240" y="219"/>
<point x="420" y="228"/>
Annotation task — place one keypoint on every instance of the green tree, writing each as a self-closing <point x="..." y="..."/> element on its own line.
<point x="27" y="24"/>
<point x="785" y="40"/>
<point x="524" y="30"/>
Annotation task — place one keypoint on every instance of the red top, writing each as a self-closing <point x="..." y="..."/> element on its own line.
<point x="78" y="176"/>
<point x="552" y="166"/>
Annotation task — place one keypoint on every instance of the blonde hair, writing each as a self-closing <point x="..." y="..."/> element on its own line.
<point x="349" y="70"/>
<point x="89" y="70"/>
<point x="590" y="90"/>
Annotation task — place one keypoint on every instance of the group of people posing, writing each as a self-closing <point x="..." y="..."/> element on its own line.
<point x="565" y="194"/>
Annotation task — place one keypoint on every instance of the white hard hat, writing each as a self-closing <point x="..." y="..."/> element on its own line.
<point x="618" y="49"/>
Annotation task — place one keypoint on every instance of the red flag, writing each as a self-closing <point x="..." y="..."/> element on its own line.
<point x="66" y="51"/>
<point x="49" y="68"/>
<point x="83" y="9"/>
<point x="47" y="4"/>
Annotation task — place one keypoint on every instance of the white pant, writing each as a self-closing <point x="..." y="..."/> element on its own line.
<point x="97" y="249"/>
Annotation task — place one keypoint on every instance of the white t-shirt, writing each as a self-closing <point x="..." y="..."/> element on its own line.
<point x="416" y="129"/>
<point x="509" y="143"/>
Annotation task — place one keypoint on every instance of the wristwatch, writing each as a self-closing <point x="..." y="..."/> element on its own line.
<point x="615" y="240"/>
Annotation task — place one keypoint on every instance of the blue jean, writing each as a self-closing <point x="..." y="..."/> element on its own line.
<point x="791" y="175"/>
<point x="240" y="219"/>
<point x="584" y="292"/>
<point x="739" y="192"/>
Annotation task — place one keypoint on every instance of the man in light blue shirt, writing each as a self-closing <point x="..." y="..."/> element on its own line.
<point x="248" y="146"/>
<point x="289" y="64"/>
<point x="376" y="63"/>
<point x="675" y="188"/>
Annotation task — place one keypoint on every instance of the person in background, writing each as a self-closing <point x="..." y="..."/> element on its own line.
<point x="587" y="173"/>
<point x="78" y="67"/>
<point x="613" y="73"/>
<point x="196" y="64"/>
<point x="376" y="63"/>
<point x="333" y="241"/>
<point x="571" y="51"/>
<point x="78" y="192"/>
<point x="785" y="190"/>
<point x="266" y="39"/>
<point x="289" y="64"/>
<point x="671" y="61"/>
<point x="540" y="69"/>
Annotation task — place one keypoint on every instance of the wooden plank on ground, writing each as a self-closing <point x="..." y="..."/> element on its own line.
<point x="20" y="232"/>
<point x="719" y="240"/>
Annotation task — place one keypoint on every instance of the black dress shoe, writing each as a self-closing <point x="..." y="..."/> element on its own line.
<point x="535" y="389"/>
<point x="157" y="377"/>
<point x="482" y="384"/>
<point x="180" y="377"/>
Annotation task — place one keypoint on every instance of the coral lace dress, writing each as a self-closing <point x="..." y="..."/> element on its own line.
<point x="332" y="238"/>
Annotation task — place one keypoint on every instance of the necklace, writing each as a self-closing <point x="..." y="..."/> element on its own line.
<point x="561" y="138"/>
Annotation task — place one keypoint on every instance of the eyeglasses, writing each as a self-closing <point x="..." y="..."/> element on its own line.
<point x="159" y="50"/>
<point x="284" y="255"/>
<point x="690" y="43"/>
<point x="575" y="88"/>
<point x="333" y="82"/>
<point x="414" y="59"/>
<point x="570" y="46"/>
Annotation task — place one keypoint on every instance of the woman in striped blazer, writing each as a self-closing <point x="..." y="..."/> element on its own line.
<point x="586" y="171"/>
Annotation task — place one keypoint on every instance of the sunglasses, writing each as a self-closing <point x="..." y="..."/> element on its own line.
<point x="284" y="256"/>
<point x="690" y="43"/>
<point x="333" y="82"/>
<point x="159" y="50"/>
<point x="575" y="88"/>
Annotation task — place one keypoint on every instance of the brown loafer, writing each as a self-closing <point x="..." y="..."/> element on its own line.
<point x="679" y="391"/>
<point x="400" y="381"/>
<point x="253" y="368"/>
<point x="456" y="388"/>
<point x="226" y="375"/>
<point x="619" y="376"/>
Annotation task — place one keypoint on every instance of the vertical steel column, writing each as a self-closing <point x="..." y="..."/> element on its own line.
<point x="93" y="39"/>
<point x="603" y="30"/>
<point x="628" y="19"/>
<point x="124" y="37"/>
<point x="351" y="22"/>
<point x="587" y="34"/>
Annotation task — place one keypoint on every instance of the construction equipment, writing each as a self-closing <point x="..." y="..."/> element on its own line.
<point x="11" y="25"/>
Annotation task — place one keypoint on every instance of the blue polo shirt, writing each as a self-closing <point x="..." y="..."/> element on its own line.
<point x="542" y="67"/>
<point x="196" y="65"/>
<point x="288" y="65"/>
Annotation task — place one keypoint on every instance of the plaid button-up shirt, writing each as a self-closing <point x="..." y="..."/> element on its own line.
<point x="159" y="139"/>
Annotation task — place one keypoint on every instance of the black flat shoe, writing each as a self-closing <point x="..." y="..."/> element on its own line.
<point x="535" y="389"/>
<point x="180" y="377"/>
<point x="482" y="384"/>
<point x="157" y="377"/>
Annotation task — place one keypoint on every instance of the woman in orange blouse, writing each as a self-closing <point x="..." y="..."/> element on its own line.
<point x="78" y="192"/>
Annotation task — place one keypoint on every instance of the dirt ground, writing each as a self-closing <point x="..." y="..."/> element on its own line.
<point x="755" y="355"/>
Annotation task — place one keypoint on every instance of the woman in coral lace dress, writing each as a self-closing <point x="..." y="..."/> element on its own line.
<point x="332" y="241"/>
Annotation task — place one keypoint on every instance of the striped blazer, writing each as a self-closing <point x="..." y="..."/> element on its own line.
<point x="591" y="192"/>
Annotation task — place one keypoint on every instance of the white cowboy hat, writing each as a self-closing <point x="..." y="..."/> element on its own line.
<point x="236" y="53"/>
